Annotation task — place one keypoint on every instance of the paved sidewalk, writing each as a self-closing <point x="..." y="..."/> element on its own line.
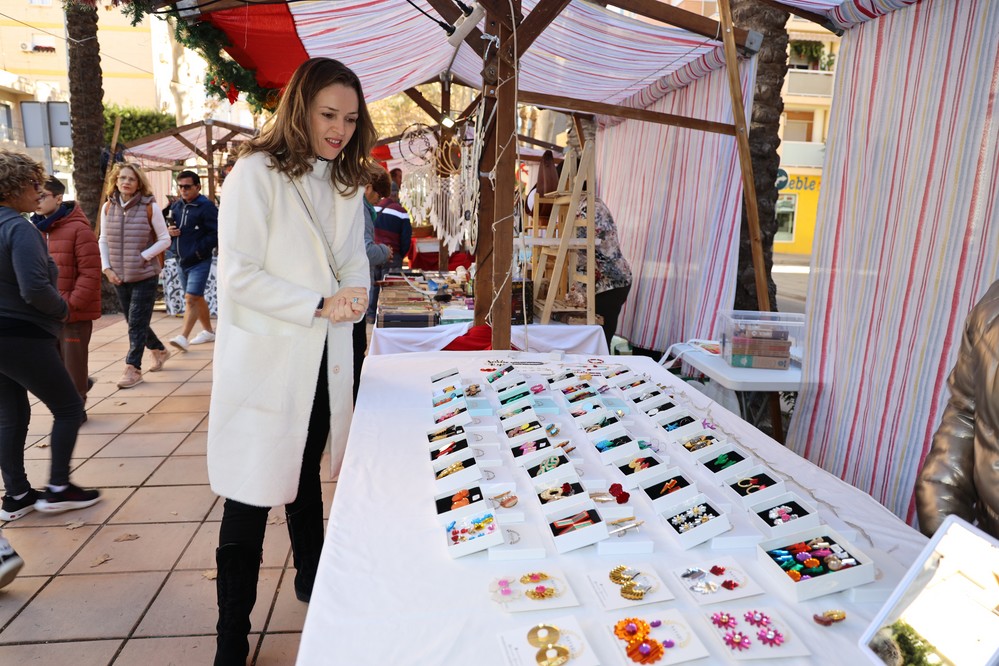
<point x="130" y="580"/>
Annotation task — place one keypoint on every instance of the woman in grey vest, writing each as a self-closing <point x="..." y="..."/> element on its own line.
<point x="133" y="236"/>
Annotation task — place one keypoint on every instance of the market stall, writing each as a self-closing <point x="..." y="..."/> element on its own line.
<point x="444" y="601"/>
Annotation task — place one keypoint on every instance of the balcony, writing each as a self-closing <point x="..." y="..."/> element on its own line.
<point x="12" y="134"/>
<point x="802" y="154"/>
<point x="809" y="83"/>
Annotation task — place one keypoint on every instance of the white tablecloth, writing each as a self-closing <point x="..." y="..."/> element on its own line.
<point x="536" y="338"/>
<point x="387" y="592"/>
<point x="740" y="379"/>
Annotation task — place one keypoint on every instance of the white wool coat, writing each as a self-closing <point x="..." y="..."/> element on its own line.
<point x="272" y="271"/>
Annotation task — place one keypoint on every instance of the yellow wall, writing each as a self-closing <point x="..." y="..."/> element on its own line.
<point x="806" y="189"/>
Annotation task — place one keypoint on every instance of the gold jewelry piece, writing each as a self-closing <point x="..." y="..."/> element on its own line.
<point x="542" y="592"/>
<point x="553" y="655"/>
<point x="636" y="590"/>
<point x="451" y="469"/>
<point x="505" y="500"/>
<point x="624" y="528"/>
<point x="543" y="635"/>
<point x="551" y="494"/>
<point x="602" y="497"/>
<point x="533" y="577"/>
<point x="621" y="521"/>
<point x="621" y="574"/>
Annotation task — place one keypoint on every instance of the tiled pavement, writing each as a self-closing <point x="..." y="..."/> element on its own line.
<point x="130" y="579"/>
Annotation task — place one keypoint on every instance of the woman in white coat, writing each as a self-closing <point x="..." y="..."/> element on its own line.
<point x="293" y="278"/>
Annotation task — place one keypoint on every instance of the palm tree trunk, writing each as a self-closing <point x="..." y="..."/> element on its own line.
<point x="86" y="96"/>
<point x="763" y="139"/>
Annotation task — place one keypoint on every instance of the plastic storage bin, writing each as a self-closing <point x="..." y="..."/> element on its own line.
<point x="764" y="340"/>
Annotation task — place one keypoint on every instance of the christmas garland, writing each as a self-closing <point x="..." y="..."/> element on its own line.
<point x="225" y="78"/>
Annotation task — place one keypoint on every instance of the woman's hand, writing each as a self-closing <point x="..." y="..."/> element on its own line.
<point x="112" y="277"/>
<point x="347" y="305"/>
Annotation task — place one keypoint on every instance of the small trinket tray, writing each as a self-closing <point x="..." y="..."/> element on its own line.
<point x="637" y="467"/>
<point x="587" y="408"/>
<point x="725" y="460"/>
<point x="656" y="405"/>
<point x="632" y="383"/>
<point x="579" y="396"/>
<point x="547" y="464"/>
<point x="523" y="408"/>
<point x="574" y="525"/>
<point x="667" y="488"/>
<point x="813" y="562"/>
<point x="755" y="485"/>
<point x="783" y="515"/>
<point x="529" y="426"/>
<point x="594" y="424"/>
<point x="497" y="374"/>
<point x="513" y="395"/>
<point x="440" y="381"/>
<point x="565" y="486"/>
<point x="439" y="434"/>
<point x="615" y="443"/>
<point x="695" y="521"/>
<point x="462" y="501"/>
<point x="455" y="472"/>
<point x="471" y="532"/>
<point x="448" y="447"/>
<point x="644" y="393"/>
<point x="696" y="443"/>
<point x="527" y="451"/>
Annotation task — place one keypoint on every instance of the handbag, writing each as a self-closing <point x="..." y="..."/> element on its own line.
<point x="307" y="202"/>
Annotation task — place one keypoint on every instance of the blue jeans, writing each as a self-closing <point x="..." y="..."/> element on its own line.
<point x="34" y="364"/>
<point x="137" y="300"/>
<point x="194" y="278"/>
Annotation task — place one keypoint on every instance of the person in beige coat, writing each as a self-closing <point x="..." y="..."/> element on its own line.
<point x="292" y="280"/>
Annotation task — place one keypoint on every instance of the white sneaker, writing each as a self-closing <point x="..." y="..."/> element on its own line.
<point x="180" y="342"/>
<point x="203" y="337"/>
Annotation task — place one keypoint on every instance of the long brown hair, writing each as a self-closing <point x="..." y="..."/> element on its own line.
<point x="286" y="137"/>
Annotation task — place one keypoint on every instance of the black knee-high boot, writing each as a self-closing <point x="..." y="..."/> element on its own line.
<point x="305" y="527"/>
<point x="236" y="585"/>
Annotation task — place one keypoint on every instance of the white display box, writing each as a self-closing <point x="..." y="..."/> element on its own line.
<point x="644" y="393"/>
<point x="461" y="526"/>
<point x="521" y="542"/>
<point x="565" y="475"/>
<point x="715" y="463"/>
<point x="774" y="485"/>
<point x="652" y="486"/>
<point x="516" y="384"/>
<point x="516" y="429"/>
<point x="439" y="434"/>
<point x="815" y="586"/>
<point x="580" y="396"/>
<point x="808" y="516"/>
<point x="452" y="447"/>
<point x="448" y="397"/>
<point x="586" y="408"/>
<point x="513" y="395"/>
<point x="656" y="405"/>
<point x="617" y="372"/>
<point x="477" y="503"/>
<point x="455" y="413"/>
<point x="523" y="454"/>
<point x="632" y="542"/>
<point x="593" y="425"/>
<point x="562" y="376"/>
<point x="632" y="477"/>
<point x="546" y="406"/>
<point x="481" y="434"/>
<point x="702" y="532"/>
<point x="508" y="381"/>
<point x="617" y="405"/>
<point x="632" y="383"/>
<point x="522" y="408"/>
<point x="571" y="385"/>
<point x="562" y="515"/>
<point x="487" y="454"/>
<point x="540" y="468"/>
<point x="498" y="374"/>
<point x="468" y="475"/>
<point x="479" y="406"/>
<point x="623" y="445"/>
<point x="674" y="421"/>
<point x="439" y="377"/>
<point x="690" y="443"/>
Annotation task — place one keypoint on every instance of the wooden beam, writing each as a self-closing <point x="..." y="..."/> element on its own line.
<point x="681" y="18"/>
<point x="471" y="107"/>
<point x="210" y="158"/>
<point x="568" y="103"/>
<point x="535" y="23"/>
<point x="540" y="144"/>
<point x="191" y="146"/>
<point x="818" y="19"/>
<point x="450" y="13"/>
<point x="745" y="158"/>
<point x="424" y="103"/>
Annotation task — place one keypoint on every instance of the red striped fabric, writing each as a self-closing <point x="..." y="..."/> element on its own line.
<point x="264" y="39"/>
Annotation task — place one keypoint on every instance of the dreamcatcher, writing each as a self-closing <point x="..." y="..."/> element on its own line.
<point x="418" y="145"/>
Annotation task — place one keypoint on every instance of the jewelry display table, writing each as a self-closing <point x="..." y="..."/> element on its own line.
<point x="389" y="590"/>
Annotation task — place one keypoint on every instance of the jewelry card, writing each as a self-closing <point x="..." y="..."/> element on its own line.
<point x="720" y="579"/>
<point x="664" y="632"/>
<point x="755" y="633"/>
<point x="558" y="641"/>
<point x="531" y="590"/>
<point x="638" y="585"/>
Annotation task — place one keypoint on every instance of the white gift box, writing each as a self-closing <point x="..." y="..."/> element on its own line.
<point x="675" y="423"/>
<point x="621" y="445"/>
<point x="455" y="413"/>
<point x="438" y="380"/>
<point x="656" y="405"/>
<point x="570" y="385"/>
<point x="448" y="397"/>
<point x="479" y="406"/>
<point x="632" y="476"/>
<point x="735" y="460"/>
<point x="440" y="433"/>
<point x="808" y="516"/>
<point x="471" y="532"/>
<point x="513" y="395"/>
<point x="617" y="372"/>
<point x="766" y="476"/>
<point x="527" y="452"/>
<point x="516" y="410"/>
<point x="644" y="393"/>
<point x="701" y="532"/>
<point x="546" y="406"/>
<point x="561" y="377"/>
<point x="596" y="423"/>
<point x="544" y="465"/>
<point x="580" y="396"/>
<point x="496" y="375"/>
<point x="688" y="445"/>
<point x="487" y="454"/>
<point x="617" y="405"/>
<point x="818" y="585"/>
<point x="559" y="517"/>
<point x="469" y="474"/>
<point x="509" y="381"/>
<point x="520" y="542"/>
<point x="631" y="383"/>
<point x="452" y="447"/>
<point x="586" y="408"/>
<point x="481" y="434"/>
<point x="652" y="485"/>
<point x="516" y="429"/>
<point x="556" y="481"/>
<point x="477" y="502"/>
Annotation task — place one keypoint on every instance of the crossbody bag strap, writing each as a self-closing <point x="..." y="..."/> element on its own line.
<point x="307" y="202"/>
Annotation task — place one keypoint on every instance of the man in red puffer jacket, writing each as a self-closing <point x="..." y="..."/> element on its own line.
<point x="74" y="248"/>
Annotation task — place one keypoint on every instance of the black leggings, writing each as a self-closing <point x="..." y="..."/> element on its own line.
<point x="34" y="364"/>
<point x="245" y="524"/>
<point x="608" y="304"/>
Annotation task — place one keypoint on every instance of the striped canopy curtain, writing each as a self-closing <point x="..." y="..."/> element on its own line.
<point x="676" y="197"/>
<point x="907" y="240"/>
